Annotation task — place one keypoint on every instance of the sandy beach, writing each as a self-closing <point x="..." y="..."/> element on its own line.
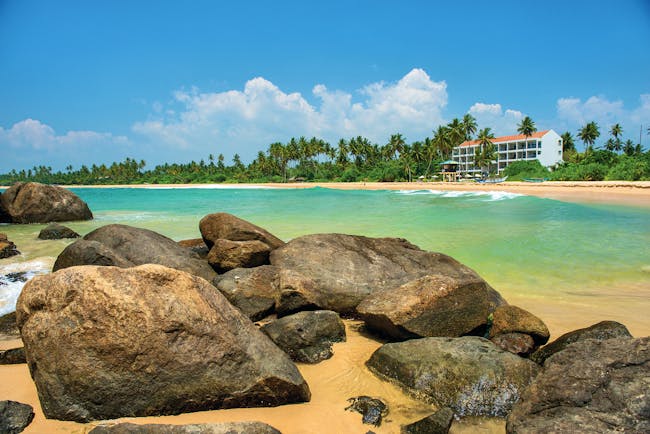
<point x="627" y="193"/>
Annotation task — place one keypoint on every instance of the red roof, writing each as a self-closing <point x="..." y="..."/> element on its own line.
<point x="536" y="135"/>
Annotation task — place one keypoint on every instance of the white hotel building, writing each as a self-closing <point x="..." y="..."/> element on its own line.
<point x="545" y="146"/>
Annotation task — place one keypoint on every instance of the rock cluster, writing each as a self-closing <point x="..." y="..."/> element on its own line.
<point x="32" y="202"/>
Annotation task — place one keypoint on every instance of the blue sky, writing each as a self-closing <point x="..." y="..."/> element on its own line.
<point x="93" y="82"/>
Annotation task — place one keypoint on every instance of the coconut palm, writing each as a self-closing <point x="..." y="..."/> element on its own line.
<point x="469" y="125"/>
<point x="588" y="134"/>
<point x="526" y="127"/>
<point x="456" y="132"/>
<point x="486" y="151"/>
<point x="568" y="145"/>
<point x="616" y="145"/>
<point x="442" y="141"/>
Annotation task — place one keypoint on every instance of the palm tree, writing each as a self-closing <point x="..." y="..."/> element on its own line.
<point x="456" y="132"/>
<point x="568" y="144"/>
<point x="588" y="134"/>
<point x="342" y="154"/>
<point x="486" y="151"/>
<point x="469" y="125"/>
<point x="526" y="127"/>
<point x="442" y="141"/>
<point x="395" y="144"/>
<point x="616" y="132"/>
<point x="628" y="148"/>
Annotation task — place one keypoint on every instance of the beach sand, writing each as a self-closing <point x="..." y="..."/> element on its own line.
<point x="334" y="381"/>
<point x="627" y="193"/>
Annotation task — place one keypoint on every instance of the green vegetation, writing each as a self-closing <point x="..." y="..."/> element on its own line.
<point x="357" y="159"/>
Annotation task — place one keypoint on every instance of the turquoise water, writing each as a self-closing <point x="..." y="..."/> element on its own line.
<point x="560" y="259"/>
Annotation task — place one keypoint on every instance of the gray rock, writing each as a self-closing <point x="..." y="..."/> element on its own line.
<point x="251" y="290"/>
<point x="146" y="340"/>
<point x="12" y="356"/>
<point x="208" y="428"/>
<point x="513" y="319"/>
<point x="226" y="255"/>
<point x="127" y="246"/>
<point x="55" y="231"/>
<point x="229" y="227"/>
<point x="307" y="336"/>
<point x="372" y="409"/>
<point x="8" y="327"/>
<point x="15" y="417"/>
<point x="433" y="305"/>
<point x="436" y="423"/>
<point x="297" y="293"/>
<point x="197" y="245"/>
<point x="32" y="202"/>
<point x="469" y="374"/>
<point x="593" y="386"/>
<point x="347" y="268"/>
<point x="600" y="331"/>
<point x="516" y="343"/>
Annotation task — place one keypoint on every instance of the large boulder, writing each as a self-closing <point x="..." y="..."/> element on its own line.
<point x="108" y="342"/>
<point x="15" y="417"/>
<point x="56" y="231"/>
<point x="470" y="375"/>
<point x="32" y="202"/>
<point x="600" y="331"/>
<point x="591" y="386"/>
<point x="127" y="246"/>
<point x="433" y="305"/>
<point x="228" y="227"/>
<point x="7" y="248"/>
<point x="307" y="337"/>
<point x="348" y="268"/>
<point x="226" y="255"/>
<point x="208" y="428"/>
<point x="251" y="290"/>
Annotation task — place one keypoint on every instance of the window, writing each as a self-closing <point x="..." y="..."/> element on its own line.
<point x="539" y="152"/>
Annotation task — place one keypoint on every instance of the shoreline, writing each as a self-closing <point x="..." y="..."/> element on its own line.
<point x="626" y="193"/>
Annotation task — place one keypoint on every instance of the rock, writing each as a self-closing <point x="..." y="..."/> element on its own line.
<point x="228" y="227"/>
<point x="513" y="319"/>
<point x="372" y="409"/>
<point x="127" y="246"/>
<point x="227" y="255"/>
<point x="590" y="386"/>
<point x="433" y="305"/>
<point x="357" y="266"/>
<point x="208" y="428"/>
<point x="197" y="246"/>
<point x="147" y="340"/>
<point x="15" y="417"/>
<point x="251" y="290"/>
<point x="307" y="337"/>
<point x="32" y="202"/>
<point x="600" y="331"/>
<point x="8" y="327"/>
<point x="436" y="423"/>
<point x="470" y="375"/>
<point x="12" y="356"/>
<point x="7" y="248"/>
<point x="297" y="294"/>
<point x="516" y="343"/>
<point x="55" y="231"/>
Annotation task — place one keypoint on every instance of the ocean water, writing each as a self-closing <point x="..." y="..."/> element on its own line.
<point x="571" y="264"/>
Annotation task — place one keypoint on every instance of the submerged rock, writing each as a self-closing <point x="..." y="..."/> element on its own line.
<point x="436" y="423"/>
<point x="15" y="417"/>
<point x="590" y="386"/>
<point x="251" y="290"/>
<point x="600" y="331"/>
<point x="55" y="231"/>
<point x="358" y="266"/>
<point x="469" y="374"/>
<point x="228" y="227"/>
<point x="32" y="202"/>
<point x="307" y="336"/>
<point x="433" y="305"/>
<point x="147" y="340"/>
<point x="127" y="246"/>
<point x="7" y="248"/>
<point x="208" y="428"/>
<point x="372" y="409"/>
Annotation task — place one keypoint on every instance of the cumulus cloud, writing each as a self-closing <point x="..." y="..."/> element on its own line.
<point x="245" y="121"/>
<point x="35" y="143"/>
<point x="493" y="116"/>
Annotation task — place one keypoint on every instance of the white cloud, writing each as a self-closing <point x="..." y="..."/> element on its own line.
<point x="493" y="116"/>
<point x="33" y="142"/>
<point x="245" y="121"/>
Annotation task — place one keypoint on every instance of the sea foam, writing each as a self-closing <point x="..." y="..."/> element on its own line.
<point x="14" y="276"/>
<point x="487" y="195"/>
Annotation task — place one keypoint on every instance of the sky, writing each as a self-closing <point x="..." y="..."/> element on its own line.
<point x="85" y="82"/>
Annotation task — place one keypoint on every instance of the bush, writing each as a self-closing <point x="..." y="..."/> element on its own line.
<point x="580" y="172"/>
<point x="629" y="169"/>
<point x="351" y="174"/>
<point x="525" y="169"/>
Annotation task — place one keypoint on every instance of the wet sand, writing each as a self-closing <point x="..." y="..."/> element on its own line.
<point x="626" y="193"/>
<point x="331" y="382"/>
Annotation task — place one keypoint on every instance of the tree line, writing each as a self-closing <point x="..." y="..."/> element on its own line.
<point x="358" y="159"/>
